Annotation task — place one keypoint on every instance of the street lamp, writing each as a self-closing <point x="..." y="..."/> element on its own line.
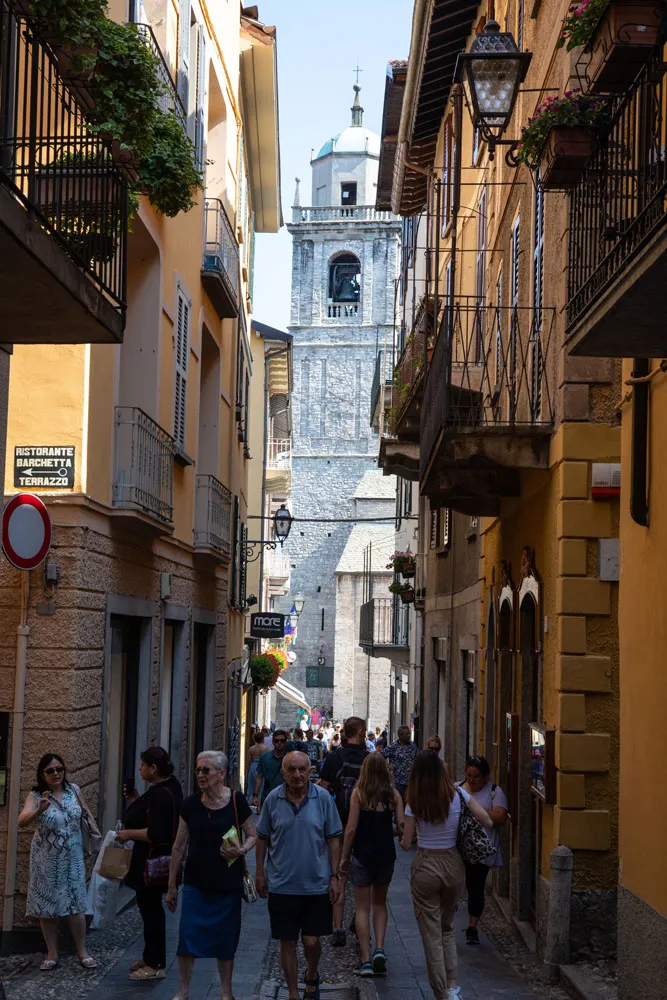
<point x="282" y="522"/>
<point x="491" y="72"/>
<point x="299" y="604"/>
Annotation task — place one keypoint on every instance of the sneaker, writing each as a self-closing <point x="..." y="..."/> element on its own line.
<point x="338" y="939"/>
<point x="380" y="962"/>
<point x="454" y="993"/>
<point x="472" y="936"/>
<point x="365" y="970"/>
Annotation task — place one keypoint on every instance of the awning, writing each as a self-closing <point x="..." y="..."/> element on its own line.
<point x="291" y="693"/>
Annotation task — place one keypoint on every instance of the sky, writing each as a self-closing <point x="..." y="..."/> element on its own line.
<point x="320" y="42"/>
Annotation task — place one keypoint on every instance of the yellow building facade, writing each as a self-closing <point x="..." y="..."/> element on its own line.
<point x="136" y="634"/>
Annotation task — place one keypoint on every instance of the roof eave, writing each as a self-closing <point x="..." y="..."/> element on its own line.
<point x="259" y="81"/>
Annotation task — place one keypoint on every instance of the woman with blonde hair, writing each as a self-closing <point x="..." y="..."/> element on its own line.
<point x="434" y="807"/>
<point x="369" y="854"/>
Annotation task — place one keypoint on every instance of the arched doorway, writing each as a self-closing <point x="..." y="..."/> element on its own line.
<point x="529" y="805"/>
<point x="505" y="697"/>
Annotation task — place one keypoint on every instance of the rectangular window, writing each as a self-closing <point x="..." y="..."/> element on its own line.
<point x="447" y="173"/>
<point x="199" y="41"/>
<point x="181" y="369"/>
<point x="348" y="193"/>
<point x="514" y="317"/>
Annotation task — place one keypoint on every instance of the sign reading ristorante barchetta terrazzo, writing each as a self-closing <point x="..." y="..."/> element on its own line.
<point x="45" y="466"/>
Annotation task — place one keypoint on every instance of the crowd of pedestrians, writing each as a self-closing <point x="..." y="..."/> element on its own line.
<point x="331" y="801"/>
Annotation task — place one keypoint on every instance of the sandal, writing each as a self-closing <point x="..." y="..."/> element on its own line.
<point x="48" y="965"/>
<point x="139" y="964"/>
<point x="310" y="984"/>
<point x="88" y="963"/>
<point x="146" y="972"/>
<point x="365" y="970"/>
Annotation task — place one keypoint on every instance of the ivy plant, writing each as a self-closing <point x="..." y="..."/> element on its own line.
<point x="168" y="173"/>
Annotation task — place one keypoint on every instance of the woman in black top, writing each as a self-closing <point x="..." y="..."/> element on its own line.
<point x="369" y="853"/>
<point x="151" y="821"/>
<point x="213" y="881"/>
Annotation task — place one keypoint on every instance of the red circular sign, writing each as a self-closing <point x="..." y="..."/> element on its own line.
<point x="26" y="531"/>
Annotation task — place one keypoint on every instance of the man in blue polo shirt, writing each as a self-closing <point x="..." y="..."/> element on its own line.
<point x="300" y="830"/>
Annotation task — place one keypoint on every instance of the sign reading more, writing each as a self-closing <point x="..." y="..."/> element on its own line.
<point x="267" y="625"/>
<point x="50" y="467"/>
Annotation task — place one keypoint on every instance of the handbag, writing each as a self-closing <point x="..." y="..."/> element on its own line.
<point x="249" y="889"/>
<point x="90" y="834"/>
<point x="156" y="870"/>
<point x="471" y="840"/>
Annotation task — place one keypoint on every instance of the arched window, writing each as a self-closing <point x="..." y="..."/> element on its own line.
<point x="344" y="278"/>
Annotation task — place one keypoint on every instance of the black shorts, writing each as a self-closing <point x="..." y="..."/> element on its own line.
<point x="294" y="914"/>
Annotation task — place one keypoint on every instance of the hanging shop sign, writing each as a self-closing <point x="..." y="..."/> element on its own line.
<point x="49" y="467"/>
<point x="267" y="625"/>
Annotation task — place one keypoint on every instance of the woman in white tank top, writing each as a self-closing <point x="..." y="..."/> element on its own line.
<point x="434" y="810"/>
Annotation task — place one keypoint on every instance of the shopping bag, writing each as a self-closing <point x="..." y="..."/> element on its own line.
<point x="102" y="901"/>
<point x="113" y="861"/>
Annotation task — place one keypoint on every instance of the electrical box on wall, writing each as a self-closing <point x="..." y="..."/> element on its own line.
<point x="608" y="560"/>
<point x="606" y="480"/>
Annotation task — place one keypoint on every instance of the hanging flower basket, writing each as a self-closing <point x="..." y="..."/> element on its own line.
<point x="266" y="668"/>
<point x="403" y="563"/>
<point x="407" y="595"/>
<point x="560" y="138"/>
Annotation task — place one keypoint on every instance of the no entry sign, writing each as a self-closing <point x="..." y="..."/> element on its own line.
<point x="26" y="531"/>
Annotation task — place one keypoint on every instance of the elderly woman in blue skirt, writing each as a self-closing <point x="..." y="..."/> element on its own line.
<point x="213" y="880"/>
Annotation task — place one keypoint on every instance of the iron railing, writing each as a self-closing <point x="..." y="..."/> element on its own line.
<point x="409" y="371"/>
<point x="382" y="377"/>
<point x="332" y="213"/>
<point x="143" y="464"/>
<point x="279" y="453"/>
<point x="62" y="173"/>
<point x="491" y="367"/>
<point x="213" y="515"/>
<point x="169" y="98"/>
<point x="221" y="250"/>
<point x="384" y="621"/>
<point x="620" y="203"/>
<point x="277" y="565"/>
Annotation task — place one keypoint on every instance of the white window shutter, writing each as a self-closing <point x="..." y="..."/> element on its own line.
<point x="444" y="521"/>
<point x="181" y="367"/>
<point x="200" y="126"/>
<point x="184" y="17"/>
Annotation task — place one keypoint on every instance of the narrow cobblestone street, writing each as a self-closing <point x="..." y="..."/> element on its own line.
<point x="484" y="974"/>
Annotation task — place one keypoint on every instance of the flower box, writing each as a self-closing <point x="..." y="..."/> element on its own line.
<point x="622" y="42"/>
<point x="566" y="152"/>
<point x="407" y="595"/>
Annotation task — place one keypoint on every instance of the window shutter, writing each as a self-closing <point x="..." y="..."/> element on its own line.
<point x="181" y="380"/>
<point x="520" y="17"/>
<point x="536" y="361"/>
<point x="445" y="517"/>
<point x="200" y="131"/>
<point x="184" y="17"/>
<point x="434" y="529"/>
<point x="514" y="319"/>
<point x="447" y="174"/>
<point x="499" y="328"/>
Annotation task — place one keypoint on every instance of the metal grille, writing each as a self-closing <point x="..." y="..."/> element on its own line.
<point x="409" y="371"/>
<point x="221" y="251"/>
<point x="490" y="369"/>
<point x="59" y="170"/>
<point x="144" y="464"/>
<point x="620" y="203"/>
<point x="384" y="621"/>
<point x="169" y="98"/>
<point x="213" y="515"/>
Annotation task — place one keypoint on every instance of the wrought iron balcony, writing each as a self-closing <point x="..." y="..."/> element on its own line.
<point x="63" y="203"/>
<point x="488" y="406"/>
<point x="381" y="387"/>
<point x="213" y="516"/>
<point x="220" y="267"/>
<point x="143" y="465"/>
<point x="169" y="98"/>
<point x="408" y="381"/>
<point x="618" y="233"/>
<point x="384" y="626"/>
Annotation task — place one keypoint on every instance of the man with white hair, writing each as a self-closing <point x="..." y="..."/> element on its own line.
<point x="300" y="830"/>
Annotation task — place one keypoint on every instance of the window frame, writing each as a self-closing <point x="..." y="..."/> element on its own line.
<point x="181" y="363"/>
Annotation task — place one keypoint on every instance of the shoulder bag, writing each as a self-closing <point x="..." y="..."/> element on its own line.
<point x="156" y="870"/>
<point x="471" y="840"/>
<point x="90" y="834"/>
<point x="249" y="890"/>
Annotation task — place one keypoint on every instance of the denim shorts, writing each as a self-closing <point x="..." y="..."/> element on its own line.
<point x="362" y="876"/>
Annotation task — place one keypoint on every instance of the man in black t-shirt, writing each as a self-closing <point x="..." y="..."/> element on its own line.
<point x="340" y="773"/>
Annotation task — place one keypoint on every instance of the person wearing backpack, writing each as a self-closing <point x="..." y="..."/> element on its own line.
<point x="340" y="773"/>
<point x="479" y="785"/>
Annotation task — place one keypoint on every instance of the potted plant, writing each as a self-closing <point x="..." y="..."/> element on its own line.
<point x="560" y="138"/>
<point x="403" y="563"/>
<point x="266" y="668"/>
<point x="407" y="594"/>
<point x="618" y="36"/>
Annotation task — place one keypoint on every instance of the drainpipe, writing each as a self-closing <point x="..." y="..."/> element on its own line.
<point x="22" y="633"/>
<point x="639" y="472"/>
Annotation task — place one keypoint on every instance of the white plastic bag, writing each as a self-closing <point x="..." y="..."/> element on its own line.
<point x="102" y="901"/>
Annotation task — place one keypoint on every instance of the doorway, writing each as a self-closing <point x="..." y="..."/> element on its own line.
<point x="530" y="845"/>
<point x="203" y="691"/>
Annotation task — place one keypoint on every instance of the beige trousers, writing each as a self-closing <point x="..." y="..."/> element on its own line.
<point x="436" y="880"/>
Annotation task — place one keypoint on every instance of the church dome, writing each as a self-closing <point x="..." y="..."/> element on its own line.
<point x="353" y="139"/>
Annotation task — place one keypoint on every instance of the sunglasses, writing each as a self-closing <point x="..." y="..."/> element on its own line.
<point x="280" y="740"/>
<point x="54" y="770"/>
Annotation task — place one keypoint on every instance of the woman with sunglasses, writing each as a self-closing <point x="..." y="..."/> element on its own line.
<point x="213" y="880"/>
<point x="57" y="879"/>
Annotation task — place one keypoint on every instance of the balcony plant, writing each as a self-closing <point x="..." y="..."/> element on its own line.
<point x="266" y="668"/>
<point x="405" y="591"/>
<point x="403" y="563"/>
<point x="560" y="138"/>
<point x="618" y="36"/>
<point x="123" y="88"/>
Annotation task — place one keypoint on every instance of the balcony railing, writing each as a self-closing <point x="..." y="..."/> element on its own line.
<point x="333" y="213"/>
<point x="382" y="378"/>
<point x="491" y="368"/>
<point x="220" y="268"/>
<point x="213" y="515"/>
<point x="144" y="464"/>
<point x="61" y="172"/>
<point x="343" y="310"/>
<point x="620" y="204"/>
<point x="279" y="455"/>
<point x="277" y="565"/>
<point x="169" y="98"/>
<point x="384" y="621"/>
